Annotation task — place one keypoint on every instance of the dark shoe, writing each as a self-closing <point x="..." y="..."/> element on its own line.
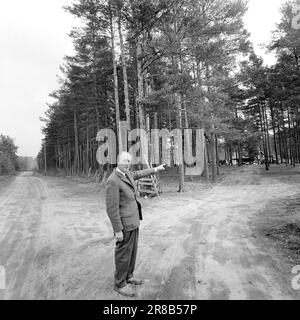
<point x="125" y="291"/>
<point x="135" y="281"/>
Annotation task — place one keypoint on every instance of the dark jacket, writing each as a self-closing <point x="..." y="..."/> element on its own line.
<point x="122" y="206"/>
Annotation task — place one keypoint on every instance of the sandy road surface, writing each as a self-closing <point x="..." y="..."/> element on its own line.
<point x="56" y="241"/>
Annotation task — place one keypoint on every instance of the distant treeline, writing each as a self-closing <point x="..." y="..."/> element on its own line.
<point x="10" y="163"/>
<point x="27" y="163"/>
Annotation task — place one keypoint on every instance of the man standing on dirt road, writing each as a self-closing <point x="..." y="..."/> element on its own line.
<point x="125" y="213"/>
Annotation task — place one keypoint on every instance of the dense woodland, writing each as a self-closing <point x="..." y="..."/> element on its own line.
<point x="8" y="155"/>
<point x="174" y="64"/>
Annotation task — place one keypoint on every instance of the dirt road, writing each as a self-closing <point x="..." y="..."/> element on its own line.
<point x="56" y="240"/>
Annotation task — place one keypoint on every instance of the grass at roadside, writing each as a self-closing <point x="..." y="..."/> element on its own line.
<point x="5" y="181"/>
<point x="283" y="226"/>
<point x="280" y="218"/>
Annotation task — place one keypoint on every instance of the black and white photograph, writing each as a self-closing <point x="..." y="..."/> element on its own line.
<point x="150" y="151"/>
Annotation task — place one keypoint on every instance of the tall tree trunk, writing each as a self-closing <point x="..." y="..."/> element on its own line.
<point x="213" y="155"/>
<point x="280" y="144"/>
<point x="178" y="103"/>
<point x="69" y="151"/>
<point x="140" y="83"/>
<point x="217" y="156"/>
<point x="136" y="109"/>
<point x="274" y="131"/>
<point x="230" y="154"/>
<point x="170" y="120"/>
<point x="206" y="171"/>
<point x="188" y="143"/>
<point x="266" y="121"/>
<point x="125" y="81"/>
<point x="297" y="141"/>
<point x="287" y="157"/>
<point x="240" y="154"/>
<point x="45" y="156"/>
<point x="279" y="137"/>
<point x="292" y="153"/>
<point x="76" y="159"/>
<point x="115" y="74"/>
<point x="263" y="129"/>
<point x="87" y="164"/>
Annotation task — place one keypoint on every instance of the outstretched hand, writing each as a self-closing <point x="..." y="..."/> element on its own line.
<point x="161" y="167"/>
